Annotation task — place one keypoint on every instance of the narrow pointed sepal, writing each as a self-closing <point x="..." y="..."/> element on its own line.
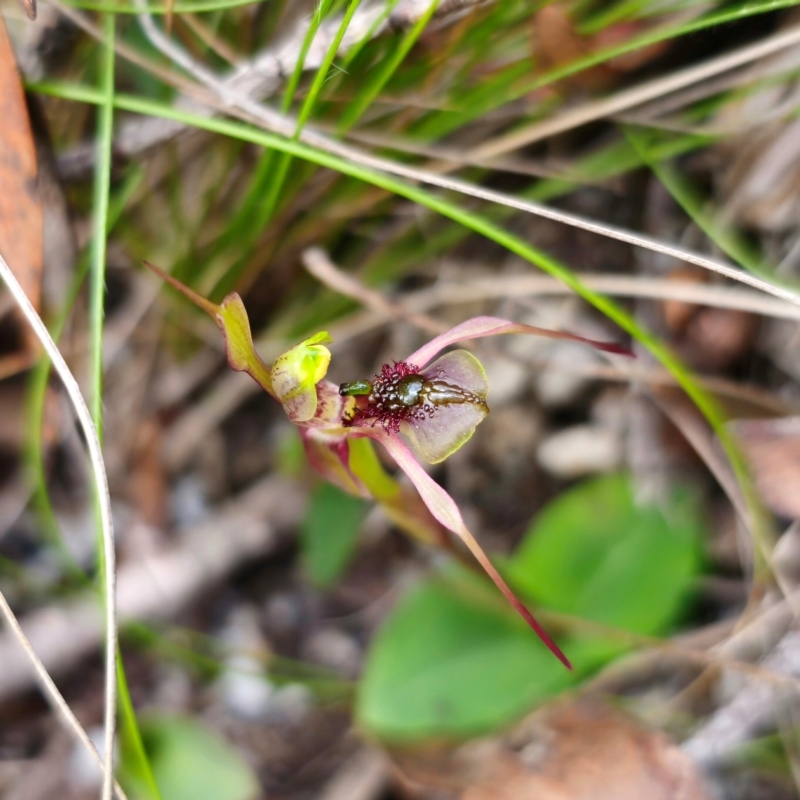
<point x="479" y="327"/>
<point x="231" y="317"/>
<point x="445" y="511"/>
<point x="204" y="305"/>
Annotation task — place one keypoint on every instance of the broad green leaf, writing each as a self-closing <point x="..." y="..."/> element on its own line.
<point x="596" y="553"/>
<point x="191" y="762"/>
<point x="330" y="532"/>
<point x="453" y="660"/>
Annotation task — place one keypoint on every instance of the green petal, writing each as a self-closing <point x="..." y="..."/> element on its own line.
<point x="297" y="372"/>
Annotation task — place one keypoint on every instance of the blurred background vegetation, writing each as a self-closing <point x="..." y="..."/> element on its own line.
<point x="627" y="171"/>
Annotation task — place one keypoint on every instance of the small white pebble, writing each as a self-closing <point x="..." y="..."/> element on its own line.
<point x="282" y="612"/>
<point x="189" y="502"/>
<point x="561" y="381"/>
<point x="581" y="450"/>
<point x="335" y="649"/>
<point x="291" y="704"/>
<point x="244" y="688"/>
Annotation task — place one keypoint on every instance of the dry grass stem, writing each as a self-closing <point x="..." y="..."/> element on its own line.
<point x="207" y="37"/>
<point x="50" y="690"/>
<point x="636" y="96"/>
<point x="317" y="262"/>
<point x="708" y="657"/>
<point x="364" y="776"/>
<point x="639" y="286"/>
<point x="752" y="709"/>
<point x="104" y="504"/>
<point x="699" y="436"/>
<point x="159" y="586"/>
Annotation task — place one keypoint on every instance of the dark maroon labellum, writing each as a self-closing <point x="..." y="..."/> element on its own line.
<point x="400" y="393"/>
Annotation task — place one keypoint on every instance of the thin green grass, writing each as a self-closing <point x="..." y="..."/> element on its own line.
<point x="727" y="239"/>
<point x="737" y="12"/>
<point x="731" y="244"/>
<point x="270" y="180"/>
<point x="97" y="279"/>
<point x="321" y="76"/>
<point x="258" y="205"/>
<point x="206" y="656"/>
<point x="139" y="764"/>
<point x="629" y="11"/>
<point x="284" y="161"/>
<point x="297" y="73"/>
<point x="354" y="51"/>
<point x="478" y="101"/>
<point x="385" y="70"/>
<point x="97" y="265"/>
<point x="97" y="257"/>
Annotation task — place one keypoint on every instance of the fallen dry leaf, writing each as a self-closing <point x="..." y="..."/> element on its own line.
<point x="678" y="314"/>
<point x="586" y="750"/>
<point x="772" y="447"/>
<point x="21" y="231"/>
<point x="707" y="338"/>
<point x="573" y="750"/>
<point x="148" y="483"/>
<point x="557" y="43"/>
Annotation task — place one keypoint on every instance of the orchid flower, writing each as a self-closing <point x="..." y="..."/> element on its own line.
<point x="414" y="407"/>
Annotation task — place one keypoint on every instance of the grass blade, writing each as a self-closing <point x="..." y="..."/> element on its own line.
<point x="97" y="258"/>
<point x="104" y="503"/>
<point x="115" y="671"/>
<point x="353" y="113"/>
<point x="686" y="197"/>
<point x="285" y="160"/>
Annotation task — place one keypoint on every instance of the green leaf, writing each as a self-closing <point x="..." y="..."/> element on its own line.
<point x="330" y="532"/>
<point x="191" y="762"/>
<point x="596" y="553"/>
<point x="452" y="660"/>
